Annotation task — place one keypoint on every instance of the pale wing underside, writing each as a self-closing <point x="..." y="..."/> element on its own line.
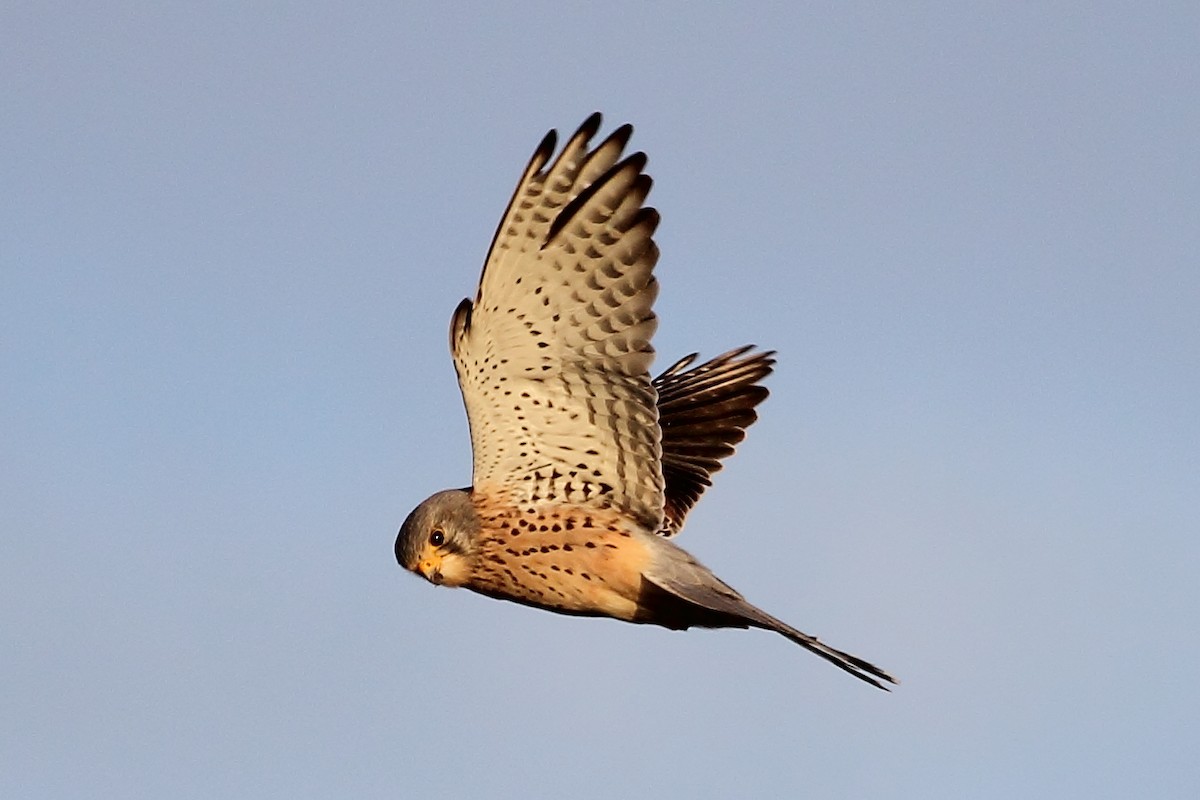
<point x="553" y="355"/>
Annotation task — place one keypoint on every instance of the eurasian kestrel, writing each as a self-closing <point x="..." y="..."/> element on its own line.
<point x="583" y="466"/>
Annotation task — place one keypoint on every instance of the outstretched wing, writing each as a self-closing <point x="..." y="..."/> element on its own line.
<point x="553" y="354"/>
<point x="704" y="412"/>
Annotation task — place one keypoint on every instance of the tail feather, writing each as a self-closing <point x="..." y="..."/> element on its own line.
<point x="860" y="668"/>
<point x="681" y="593"/>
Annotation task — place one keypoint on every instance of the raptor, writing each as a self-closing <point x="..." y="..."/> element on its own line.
<point x="584" y="467"/>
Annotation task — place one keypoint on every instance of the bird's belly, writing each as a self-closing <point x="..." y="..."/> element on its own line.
<point x="588" y="570"/>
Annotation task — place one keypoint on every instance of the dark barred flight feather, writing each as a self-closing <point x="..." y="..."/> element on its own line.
<point x="703" y="413"/>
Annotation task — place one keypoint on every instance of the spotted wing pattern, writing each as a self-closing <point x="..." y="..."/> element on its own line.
<point x="553" y="354"/>
<point x="704" y="412"/>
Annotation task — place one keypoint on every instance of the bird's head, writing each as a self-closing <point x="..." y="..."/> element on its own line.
<point x="438" y="540"/>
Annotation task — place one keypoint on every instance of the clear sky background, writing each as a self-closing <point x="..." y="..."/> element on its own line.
<point x="232" y="235"/>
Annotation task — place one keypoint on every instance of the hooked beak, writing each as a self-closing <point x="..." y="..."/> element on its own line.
<point x="429" y="568"/>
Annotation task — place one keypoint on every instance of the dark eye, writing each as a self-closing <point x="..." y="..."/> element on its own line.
<point x="437" y="538"/>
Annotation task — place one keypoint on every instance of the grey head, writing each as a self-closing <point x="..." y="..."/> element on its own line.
<point x="438" y="540"/>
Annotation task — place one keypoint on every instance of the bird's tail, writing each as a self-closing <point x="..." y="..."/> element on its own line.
<point x="715" y="604"/>
<point x="860" y="668"/>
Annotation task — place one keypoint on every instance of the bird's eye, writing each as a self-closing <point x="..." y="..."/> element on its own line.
<point x="437" y="538"/>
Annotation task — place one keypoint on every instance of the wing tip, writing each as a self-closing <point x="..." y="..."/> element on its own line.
<point x="618" y="138"/>
<point x="590" y="126"/>
<point x="541" y="154"/>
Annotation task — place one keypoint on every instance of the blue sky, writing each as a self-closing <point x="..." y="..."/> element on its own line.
<point x="230" y="242"/>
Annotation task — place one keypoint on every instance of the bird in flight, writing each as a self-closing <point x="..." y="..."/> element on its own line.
<point x="585" y="468"/>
